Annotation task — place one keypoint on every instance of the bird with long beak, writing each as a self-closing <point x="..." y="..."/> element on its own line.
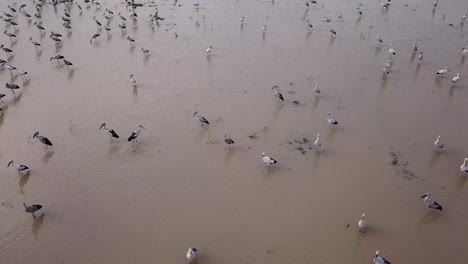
<point x="18" y="167"/>
<point x="430" y="203"/>
<point x="135" y="134"/>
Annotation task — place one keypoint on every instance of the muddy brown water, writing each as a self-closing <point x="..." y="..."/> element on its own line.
<point x="179" y="186"/>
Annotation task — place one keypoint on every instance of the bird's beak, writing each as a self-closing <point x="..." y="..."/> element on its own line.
<point x="424" y="196"/>
<point x="142" y="127"/>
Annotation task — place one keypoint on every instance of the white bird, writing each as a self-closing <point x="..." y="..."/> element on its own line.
<point x="18" y="167"/>
<point x="109" y="131"/>
<point x="415" y="47"/>
<point x="242" y="19"/>
<point x="362" y="224"/>
<point x="430" y="203"/>
<point x="267" y="160"/>
<point x="133" y="81"/>
<point x="392" y="50"/>
<point x="380" y="260"/>
<point x="278" y="94"/>
<point x="420" y="56"/>
<point x="316" y="89"/>
<point x="438" y="144"/>
<point x="455" y="79"/>
<point x="379" y="38"/>
<point x="208" y="50"/>
<point x="443" y="71"/>
<point x="331" y="120"/>
<point x="135" y="134"/>
<point x="200" y="118"/>
<point x="464" y="166"/>
<point x="317" y="143"/>
<point x="192" y="254"/>
<point x="465" y="50"/>
<point x="264" y="28"/>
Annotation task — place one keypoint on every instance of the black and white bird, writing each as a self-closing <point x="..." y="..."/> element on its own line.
<point x="379" y="38"/>
<point x="228" y="141"/>
<point x="10" y="68"/>
<point x="316" y="89"/>
<point x="333" y="32"/>
<point x="200" y="118"/>
<point x="35" y="43"/>
<point x="68" y="63"/>
<point x="456" y="78"/>
<point x="12" y="87"/>
<point x="55" y="34"/>
<point x="380" y="260"/>
<point x="464" y="166"/>
<point x="420" y="56"/>
<point x="278" y="94"/>
<point x="438" y="144"/>
<point x="44" y="140"/>
<point x="131" y="40"/>
<point x="362" y="223"/>
<point x="145" y="51"/>
<point x="23" y="74"/>
<point x="192" y="254"/>
<point x="94" y="37"/>
<point x="391" y="50"/>
<point x="331" y="120"/>
<point x="8" y="51"/>
<point x="465" y="51"/>
<point x="209" y="49"/>
<point x="135" y="133"/>
<point x="268" y="160"/>
<point x="317" y="143"/>
<point x="1" y="96"/>
<point x="32" y="208"/>
<point x="57" y="58"/>
<point x="18" y="167"/>
<point x="97" y="22"/>
<point x="10" y="35"/>
<point x="40" y="27"/>
<point x="415" y="47"/>
<point x="443" y="71"/>
<point x="430" y="203"/>
<point x="109" y="131"/>
<point x="133" y="81"/>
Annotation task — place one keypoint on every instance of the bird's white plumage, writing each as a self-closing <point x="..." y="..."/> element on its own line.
<point x="267" y="160"/>
<point x="362" y="223"/>
<point x="456" y="78"/>
<point x="443" y="71"/>
<point x="464" y="166"/>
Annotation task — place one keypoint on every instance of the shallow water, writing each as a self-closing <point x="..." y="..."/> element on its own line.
<point x="180" y="186"/>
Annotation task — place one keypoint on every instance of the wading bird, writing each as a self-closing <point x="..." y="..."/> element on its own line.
<point x="267" y="160"/>
<point x="456" y="78"/>
<point x="32" y="208"/>
<point x="464" y="166"/>
<point x="109" y="131"/>
<point x="94" y="37"/>
<point x="362" y="224"/>
<point x="380" y="260"/>
<point x="228" y="141"/>
<point x="443" y="71"/>
<point x="277" y="93"/>
<point x="12" y="87"/>
<point x="44" y="140"/>
<point x="430" y="203"/>
<point x="317" y="143"/>
<point x="133" y="81"/>
<point x="18" y="167"/>
<point x="331" y="120"/>
<point x="391" y="50"/>
<point x="200" y="118"/>
<point x="438" y="144"/>
<point x="135" y="134"/>
<point x="192" y="254"/>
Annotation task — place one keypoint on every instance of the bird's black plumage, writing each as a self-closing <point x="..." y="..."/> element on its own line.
<point x="132" y="136"/>
<point x="436" y="206"/>
<point x="32" y="208"/>
<point x="112" y="132"/>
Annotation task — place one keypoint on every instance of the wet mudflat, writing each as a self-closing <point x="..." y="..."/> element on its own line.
<point x="180" y="186"/>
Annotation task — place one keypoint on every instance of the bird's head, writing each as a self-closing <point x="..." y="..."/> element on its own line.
<point x="447" y="68"/>
<point x="131" y="75"/>
<point x="426" y="195"/>
<point x="263" y="154"/>
<point x="9" y="163"/>
<point x="36" y="134"/>
<point x="30" y="39"/>
<point x="140" y="126"/>
<point x="274" y="87"/>
<point x="329" y="113"/>
<point x="363" y="215"/>
<point x="103" y="126"/>
<point x="194" y="114"/>
<point x="35" y="23"/>
<point x="318" y="135"/>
